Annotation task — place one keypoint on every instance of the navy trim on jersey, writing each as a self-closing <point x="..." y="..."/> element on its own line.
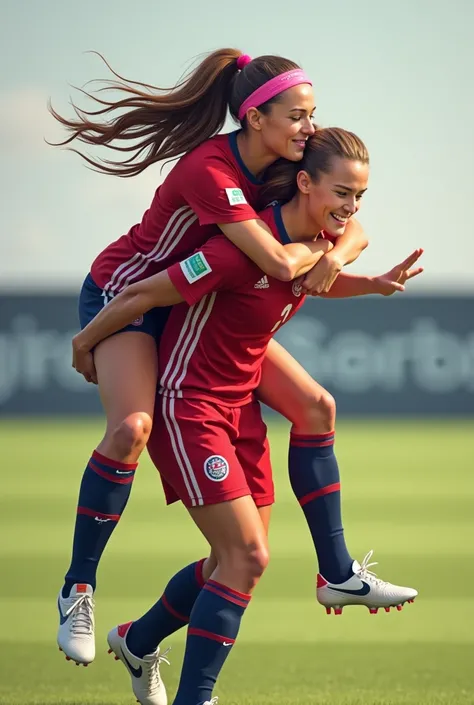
<point x="284" y="237"/>
<point x="235" y="150"/>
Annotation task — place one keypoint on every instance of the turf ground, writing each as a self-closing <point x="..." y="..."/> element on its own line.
<point x="408" y="491"/>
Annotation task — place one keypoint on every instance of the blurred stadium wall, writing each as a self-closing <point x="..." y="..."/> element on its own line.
<point x="401" y="355"/>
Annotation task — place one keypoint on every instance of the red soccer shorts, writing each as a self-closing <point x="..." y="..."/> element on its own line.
<point x="207" y="454"/>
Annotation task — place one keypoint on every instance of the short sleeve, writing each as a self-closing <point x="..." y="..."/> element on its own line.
<point x="212" y="186"/>
<point x="216" y="266"/>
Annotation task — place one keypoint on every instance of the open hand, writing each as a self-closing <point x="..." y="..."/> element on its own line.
<point x="394" y="280"/>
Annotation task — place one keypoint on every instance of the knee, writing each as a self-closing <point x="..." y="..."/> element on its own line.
<point x="318" y="414"/>
<point x="250" y="563"/>
<point x="257" y="561"/>
<point x="132" y="434"/>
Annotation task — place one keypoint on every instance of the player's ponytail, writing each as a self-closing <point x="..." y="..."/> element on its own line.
<point x="321" y="148"/>
<point x="151" y="124"/>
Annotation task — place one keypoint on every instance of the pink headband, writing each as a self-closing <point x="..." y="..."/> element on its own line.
<point x="272" y="88"/>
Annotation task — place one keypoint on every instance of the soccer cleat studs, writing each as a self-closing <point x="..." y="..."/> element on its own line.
<point x="373" y="610"/>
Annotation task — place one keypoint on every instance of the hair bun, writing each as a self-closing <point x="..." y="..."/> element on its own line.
<point x="243" y="60"/>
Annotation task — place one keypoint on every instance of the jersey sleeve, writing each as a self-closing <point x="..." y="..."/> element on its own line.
<point x="212" y="187"/>
<point x="215" y="266"/>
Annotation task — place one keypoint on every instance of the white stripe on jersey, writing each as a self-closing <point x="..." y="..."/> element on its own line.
<point x="132" y="268"/>
<point x="124" y="265"/>
<point x="184" y="223"/>
<point x="130" y="265"/>
<point x="181" y="456"/>
<point x="195" y="340"/>
<point x="186" y="344"/>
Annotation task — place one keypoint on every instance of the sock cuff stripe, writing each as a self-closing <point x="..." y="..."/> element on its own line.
<point x="100" y="515"/>
<point x="335" y="487"/>
<point x="235" y="593"/>
<point x="225" y="596"/>
<point x="239" y="598"/>
<point x="172" y="611"/>
<point x="198" y="572"/>
<point x="109" y="476"/>
<point x="312" y="437"/>
<point x="114" y="464"/>
<point x="326" y="439"/>
<point x="311" y="444"/>
<point x="192" y="631"/>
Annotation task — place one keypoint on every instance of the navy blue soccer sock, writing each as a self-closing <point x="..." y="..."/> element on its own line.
<point x="314" y="477"/>
<point x="103" y="496"/>
<point x="213" y="628"/>
<point x="170" y="613"/>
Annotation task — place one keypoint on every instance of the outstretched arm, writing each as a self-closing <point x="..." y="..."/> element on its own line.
<point x="348" y="285"/>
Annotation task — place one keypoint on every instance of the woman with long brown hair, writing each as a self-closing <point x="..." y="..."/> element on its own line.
<point x="216" y="182"/>
<point x="209" y="441"/>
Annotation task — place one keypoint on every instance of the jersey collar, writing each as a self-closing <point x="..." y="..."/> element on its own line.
<point x="284" y="237"/>
<point x="235" y="150"/>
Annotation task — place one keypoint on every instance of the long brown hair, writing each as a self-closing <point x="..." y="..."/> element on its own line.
<point x="321" y="148"/>
<point x="160" y="124"/>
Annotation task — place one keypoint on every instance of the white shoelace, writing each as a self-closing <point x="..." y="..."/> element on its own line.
<point x="82" y="611"/>
<point x="154" y="679"/>
<point x="367" y="574"/>
<point x="214" y="701"/>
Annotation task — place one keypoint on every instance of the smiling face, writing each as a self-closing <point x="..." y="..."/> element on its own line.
<point x="287" y="123"/>
<point x="336" y="196"/>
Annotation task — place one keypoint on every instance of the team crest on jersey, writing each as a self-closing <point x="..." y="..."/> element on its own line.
<point x="297" y="289"/>
<point x="235" y="196"/>
<point x="138" y="321"/>
<point x="216" y="468"/>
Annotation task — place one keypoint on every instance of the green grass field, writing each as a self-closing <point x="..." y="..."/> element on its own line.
<point x="408" y="491"/>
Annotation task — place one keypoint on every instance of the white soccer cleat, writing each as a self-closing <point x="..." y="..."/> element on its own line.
<point x="145" y="672"/>
<point x="76" y="624"/>
<point x="363" y="588"/>
<point x="214" y="701"/>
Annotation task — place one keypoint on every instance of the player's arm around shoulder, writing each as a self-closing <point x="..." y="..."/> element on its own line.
<point x="347" y="249"/>
<point x="284" y="262"/>
<point x="349" y="246"/>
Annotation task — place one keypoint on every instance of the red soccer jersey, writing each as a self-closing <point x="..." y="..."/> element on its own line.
<point x="209" y="185"/>
<point x="214" y="344"/>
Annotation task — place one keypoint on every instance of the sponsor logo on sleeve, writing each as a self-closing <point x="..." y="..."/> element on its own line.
<point x="235" y="196"/>
<point x="195" y="267"/>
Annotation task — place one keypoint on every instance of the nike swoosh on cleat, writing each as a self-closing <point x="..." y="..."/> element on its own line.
<point x="364" y="590"/>
<point x="227" y="643"/>
<point x="62" y="618"/>
<point x="137" y="672"/>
